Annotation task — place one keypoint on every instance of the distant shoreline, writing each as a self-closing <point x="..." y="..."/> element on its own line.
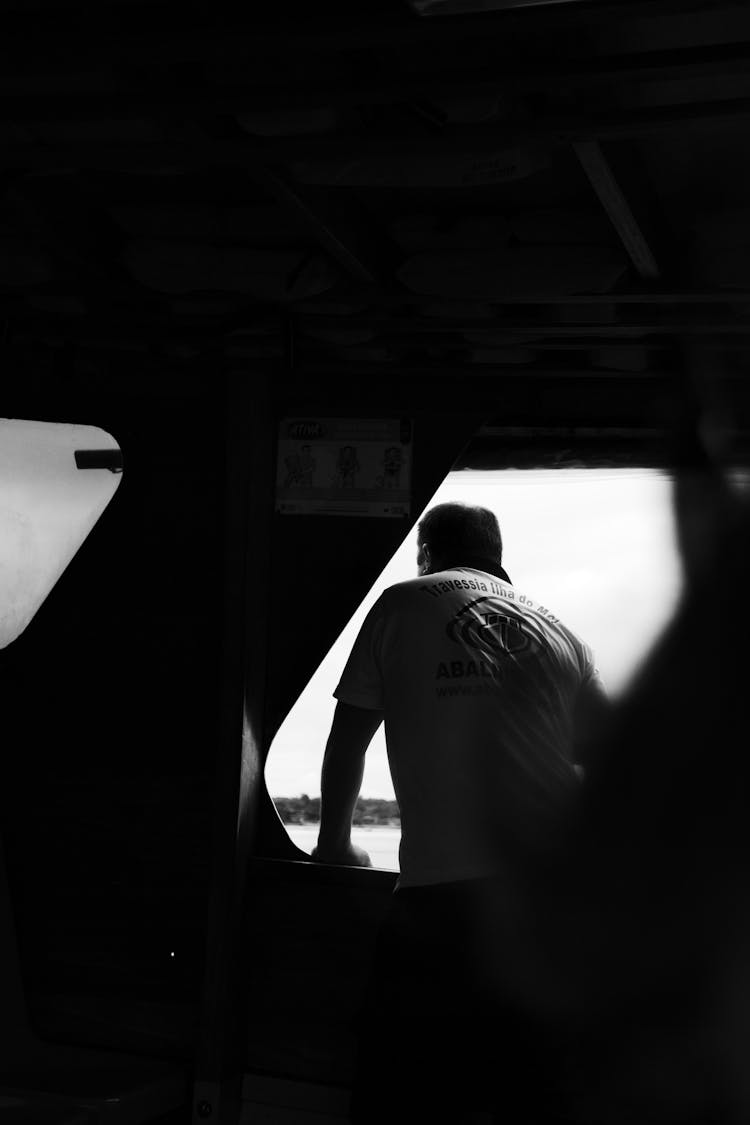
<point x="369" y="811"/>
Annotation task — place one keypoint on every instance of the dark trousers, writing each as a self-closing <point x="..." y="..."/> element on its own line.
<point x="439" y="1040"/>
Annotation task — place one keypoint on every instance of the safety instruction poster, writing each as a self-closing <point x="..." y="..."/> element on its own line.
<point x="344" y="467"/>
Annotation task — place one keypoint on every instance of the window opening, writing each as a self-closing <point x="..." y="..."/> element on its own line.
<point x="56" y="479"/>
<point x="598" y="547"/>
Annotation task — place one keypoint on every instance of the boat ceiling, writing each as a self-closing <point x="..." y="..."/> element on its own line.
<point x="550" y="196"/>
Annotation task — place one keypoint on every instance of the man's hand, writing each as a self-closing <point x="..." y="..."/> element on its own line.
<point x="347" y="856"/>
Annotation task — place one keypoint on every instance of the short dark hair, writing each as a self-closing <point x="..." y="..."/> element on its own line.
<point x="458" y="534"/>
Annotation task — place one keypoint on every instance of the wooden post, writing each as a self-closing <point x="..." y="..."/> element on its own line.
<point x="250" y="478"/>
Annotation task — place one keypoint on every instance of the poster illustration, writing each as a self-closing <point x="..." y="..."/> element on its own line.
<point x="344" y="467"/>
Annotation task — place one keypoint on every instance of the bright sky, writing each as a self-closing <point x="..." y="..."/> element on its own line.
<point x="596" y="546"/>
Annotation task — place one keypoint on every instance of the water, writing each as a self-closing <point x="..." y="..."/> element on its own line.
<point x="379" y="841"/>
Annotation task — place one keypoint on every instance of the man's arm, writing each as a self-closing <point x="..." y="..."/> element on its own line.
<point x="343" y="766"/>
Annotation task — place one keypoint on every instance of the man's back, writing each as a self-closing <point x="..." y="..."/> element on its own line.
<point x="479" y="685"/>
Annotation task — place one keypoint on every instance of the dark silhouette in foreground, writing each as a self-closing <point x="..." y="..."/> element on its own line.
<point x="635" y="952"/>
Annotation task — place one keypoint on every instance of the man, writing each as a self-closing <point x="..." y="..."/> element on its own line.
<point x="481" y="689"/>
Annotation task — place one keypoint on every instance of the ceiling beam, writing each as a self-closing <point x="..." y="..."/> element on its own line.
<point x="428" y="369"/>
<point x="381" y="298"/>
<point x="146" y="319"/>
<point x="513" y="73"/>
<point x="347" y="237"/>
<point x="615" y="203"/>
<point x="181" y="32"/>
<point x="523" y="330"/>
<point x="180" y="155"/>
<point x="651" y="297"/>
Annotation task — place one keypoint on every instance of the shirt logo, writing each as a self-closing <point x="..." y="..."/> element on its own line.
<point x="496" y="637"/>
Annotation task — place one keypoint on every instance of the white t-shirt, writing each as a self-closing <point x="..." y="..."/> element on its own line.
<point x="478" y="684"/>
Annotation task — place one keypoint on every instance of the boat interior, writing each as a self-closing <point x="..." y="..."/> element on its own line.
<point x="494" y="233"/>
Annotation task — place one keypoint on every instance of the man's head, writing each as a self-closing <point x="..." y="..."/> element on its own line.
<point x="451" y="535"/>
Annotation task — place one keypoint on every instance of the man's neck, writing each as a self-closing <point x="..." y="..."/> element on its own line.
<point x="476" y="563"/>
